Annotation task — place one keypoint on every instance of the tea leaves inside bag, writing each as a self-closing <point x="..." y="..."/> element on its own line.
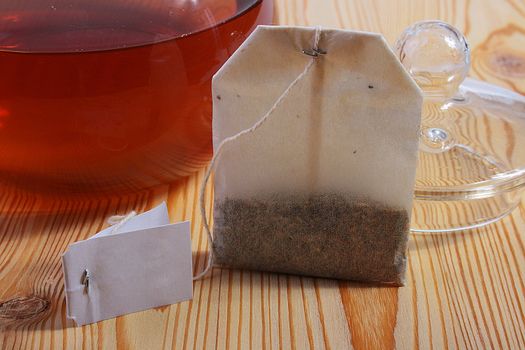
<point x="317" y="235"/>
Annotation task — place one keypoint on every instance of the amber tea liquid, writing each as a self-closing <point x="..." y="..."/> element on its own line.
<point x="100" y="96"/>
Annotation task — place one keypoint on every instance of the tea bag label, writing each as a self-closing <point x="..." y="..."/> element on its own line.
<point x="146" y="264"/>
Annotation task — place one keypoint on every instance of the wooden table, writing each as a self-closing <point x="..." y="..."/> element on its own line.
<point x="465" y="290"/>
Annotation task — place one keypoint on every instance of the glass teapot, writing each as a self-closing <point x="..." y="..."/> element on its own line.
<point x="111" y="95"/>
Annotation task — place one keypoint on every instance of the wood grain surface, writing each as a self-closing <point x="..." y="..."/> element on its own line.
<point x="464" y="290"/>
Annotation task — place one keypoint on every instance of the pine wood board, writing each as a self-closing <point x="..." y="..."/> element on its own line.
<point x="464" y="290"/>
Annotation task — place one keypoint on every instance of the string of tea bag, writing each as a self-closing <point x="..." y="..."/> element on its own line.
<point x="120" y="220"/>
<point x="314" y="53"/>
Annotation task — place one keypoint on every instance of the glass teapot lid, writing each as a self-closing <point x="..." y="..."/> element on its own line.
<point x="471" y="166"/>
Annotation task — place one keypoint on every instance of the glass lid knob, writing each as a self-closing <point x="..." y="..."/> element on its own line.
<point x="436" y="55"/>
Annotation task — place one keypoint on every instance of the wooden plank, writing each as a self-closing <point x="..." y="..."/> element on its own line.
<point x="464" y="290"/>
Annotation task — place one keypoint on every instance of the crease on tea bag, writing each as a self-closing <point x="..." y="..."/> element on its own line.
<point x="324" y="186"/>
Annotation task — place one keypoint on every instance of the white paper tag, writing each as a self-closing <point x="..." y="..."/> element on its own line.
<point x="146" y="264"/>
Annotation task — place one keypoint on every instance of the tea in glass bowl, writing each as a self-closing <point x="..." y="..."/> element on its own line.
<point x="112" y="95"/>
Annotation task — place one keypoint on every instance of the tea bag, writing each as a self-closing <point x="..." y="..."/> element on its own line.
<point x="315" y="134"/>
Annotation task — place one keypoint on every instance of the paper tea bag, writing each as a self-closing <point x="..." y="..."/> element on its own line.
<point x="316" y="174"/>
